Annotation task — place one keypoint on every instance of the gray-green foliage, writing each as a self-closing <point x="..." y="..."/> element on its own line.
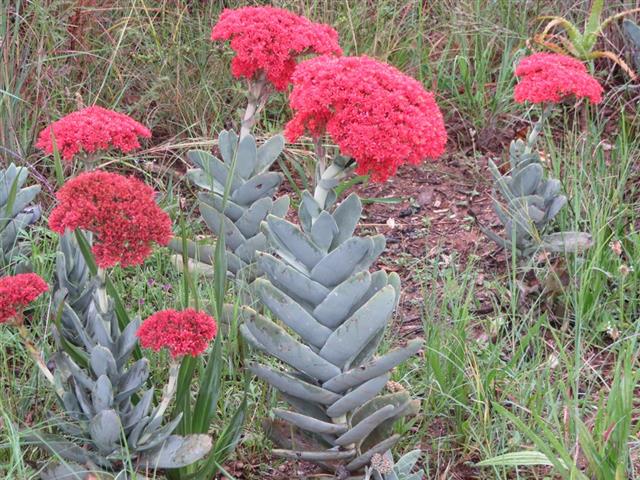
<point x="243" y="170"/>
<point x="318" y="284"/>
<point x="632" y="37"/>
<point x="402" y="469"/>
<point x="16" y="213"/>
<point x="527" y="204"/>
<point x="109" y="421"/>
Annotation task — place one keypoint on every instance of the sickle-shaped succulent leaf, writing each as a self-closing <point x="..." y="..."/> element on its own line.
<point x="293" y="386"/>
<point x="295" y="241"/>
<point x="324" y="230"/>
<point x="102" y="394"/>
<point x="177" y="452"/>
<point x="358" y="396"/>
<point x="336" y="306"/>
<point x="232" y="236"/>
<point x="366" y="426"/>
<point x="214" y="167"/>
<point x="268" y="152"/>
<point x="555" y="207"/>
<point x="357" y="376"/>
<point x="105" y="429"/>
<point x="280" y="344"/>
<point x="133" y="380"/>
<point x="291" y="281"/>
<point x="227" y="143"/>
<point x="257" y="187"/>
<point x="336" y="267"/>
<point x="292" y="314"/>
<point x="353" y="335"/>
<point x="366" y="457"/>
<point x="249" y="222"/>
<point x="328" y="455"/>
<point x="247" y="156"/>
<point x="310" y="424"/>
<point x="102" y="361"/>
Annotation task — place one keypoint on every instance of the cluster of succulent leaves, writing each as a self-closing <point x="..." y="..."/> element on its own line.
<point x="16" y="213"/>
<point x="528" y="204"/>
<point x="241" y="188"/>
<point x="318" y="284"/>
<point x="109" y="424"/>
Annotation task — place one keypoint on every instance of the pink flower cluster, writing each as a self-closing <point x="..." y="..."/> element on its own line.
<point x="18" y="291"/>
<point x="92" y="129"/>
<point x="184" y="333"/>
<point x="120" y="211"/>
<point x="268" y="39"/>
<point x="376" y="114"/>
<point x="551" y="77"/>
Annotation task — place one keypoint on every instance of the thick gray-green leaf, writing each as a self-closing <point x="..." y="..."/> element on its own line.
<point x="249" y="223"/>
<point x="295" y="241"/>
<point x="133" y="380"/>
<point x="262" y="185"/>
<point x="213" y="167"/>
<point x="358" y="397"/>
<point x="105" y="429"/>
<point x="268" y="152"/>
<point x="366" y="426"/>
<point x="347" y="216"/>
<point x="102" y="361"/>
<point x="353" y="335"/>
<point x="374" y="368"/>
<point x="275" y="340"/>
<point x="524" y="182"/>
<point x="336" y="305"/>
<point x="310" y="424"/>
<point x="338" y="265"/>
<point x="290" y="280"/>
<point x="323" y="230"/>
<point x="327" y="455"/>
<point x="102" y="394"/>
<point x="293" y="386"/>
<point x="569" y="242"/>
<point x="380" y="448"/>
<point x="292" y="314"/>
<point x="227" y="143"/>
<point x="177" y="452"/>
<point x="247" y="156"/>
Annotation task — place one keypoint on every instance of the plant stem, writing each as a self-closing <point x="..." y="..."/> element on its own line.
<point x="256" y="98"/>
<point x="537" y="127"/>
<point x="36" y="355"/>
<point x="103" y="298"/>
<point x="330" y="176"/>
<point x="170" y="389"/>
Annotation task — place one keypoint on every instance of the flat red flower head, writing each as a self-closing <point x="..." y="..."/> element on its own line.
<point x="17" y="292"/>
<point x="184" y="333"/>
<point x="120" y="211"/>
<point x="551" y="77"/>
<point x="377" y="115"/>
<point x="268" y="39"/>
<point x="92" y="129"/>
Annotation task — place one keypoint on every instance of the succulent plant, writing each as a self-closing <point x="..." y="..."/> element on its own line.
<point x="16" y="214"/>
<point x="109" y="421"/>
<point x="529" y="203"/>
<point x="383" y="467"/>
<point x="243" y="170"/>
<point x="318" y="284"/>
<point x="632" y="37"/>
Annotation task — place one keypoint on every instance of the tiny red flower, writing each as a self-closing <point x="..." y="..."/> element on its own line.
<point x="92" y="129"/>
<point x="377" y="115"/>
<point x="18" y="291"/>
<point x="268" y="39"/>
<point x="184" y="333"/>
<point x="120" y="211"/>
<point x="551" y="77"/>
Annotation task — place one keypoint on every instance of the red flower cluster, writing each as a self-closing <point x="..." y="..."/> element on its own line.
<point x="268" y="40"/>
<point x="551" y="77"/>
<point x="92" y="129"/>
<point x="184" y="333"/>
<point x="376" y="114"/>
<point x="17" y="292"/>
<point x="120" y="211"/>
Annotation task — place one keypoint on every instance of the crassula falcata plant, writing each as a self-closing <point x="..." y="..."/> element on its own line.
<point x="526" y="200"/>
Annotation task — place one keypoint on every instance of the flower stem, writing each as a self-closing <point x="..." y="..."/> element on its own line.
<point x="103" y="298"/>
<point x="170" y="389"/>
<point x="325" y="184"/>
<point x="537" y="127"/>
<point x="256" y="98"/>
<point x="36" y="356"/>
